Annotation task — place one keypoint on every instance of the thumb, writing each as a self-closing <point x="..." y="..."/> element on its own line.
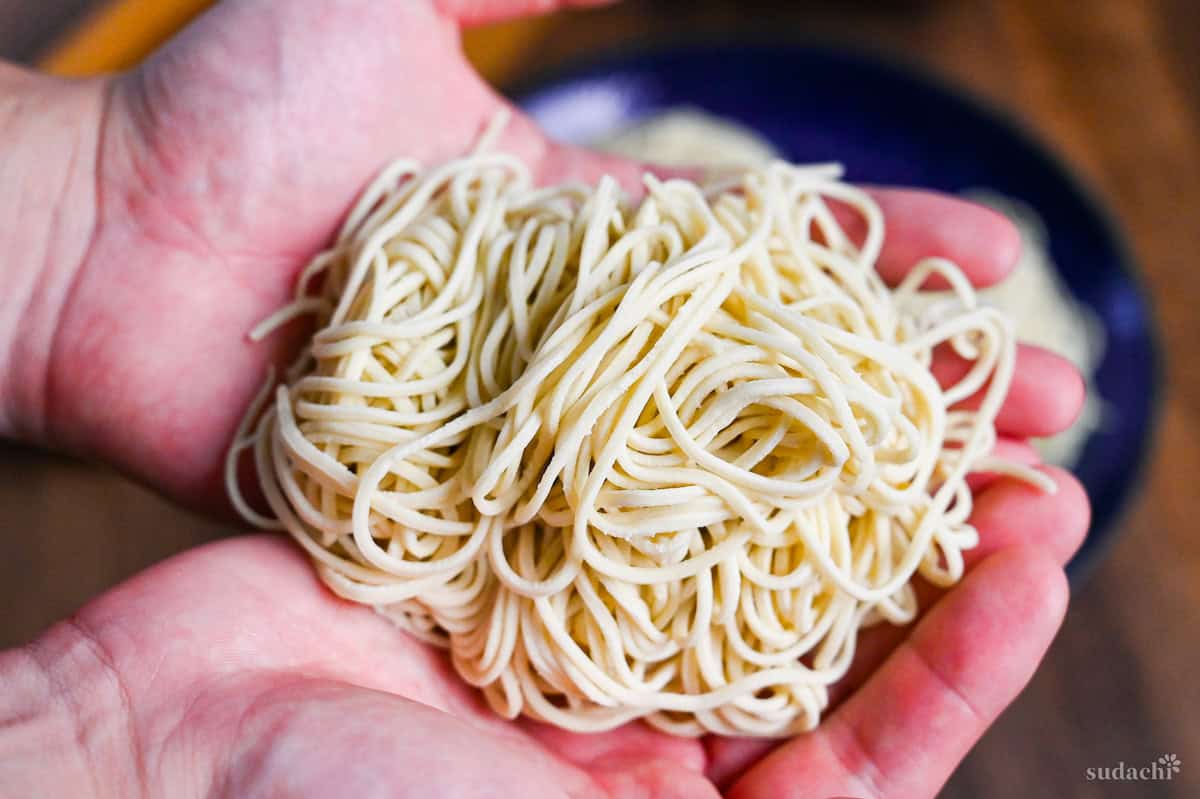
<point x="479" y="12"/>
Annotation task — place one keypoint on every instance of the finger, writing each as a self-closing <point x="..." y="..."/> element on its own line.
<point x="904" y="732"/>
<point x="1012" y="450"/>
<point x="1008" y="514"/>
<point x="1011" y="513"/>
<point x="480" y="12"/>
<point x="1044" y="398"/>
<point x="921" y="224"/>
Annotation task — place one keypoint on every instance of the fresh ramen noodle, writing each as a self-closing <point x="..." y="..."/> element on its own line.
<point x="659" y="461"/>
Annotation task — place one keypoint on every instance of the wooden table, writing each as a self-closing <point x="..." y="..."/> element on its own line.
<point x="1115" y="86"/>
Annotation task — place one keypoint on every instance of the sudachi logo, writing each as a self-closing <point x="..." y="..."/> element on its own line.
<point x="1164" y="768"/>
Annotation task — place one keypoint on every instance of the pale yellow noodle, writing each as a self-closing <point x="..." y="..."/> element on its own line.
<point x="660" y="462"/>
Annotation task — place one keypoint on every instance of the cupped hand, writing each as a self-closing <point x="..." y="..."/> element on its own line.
<point x="229" y="671"/>
<point x="225" y="163"/>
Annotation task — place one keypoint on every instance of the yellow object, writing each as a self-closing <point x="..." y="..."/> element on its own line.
<point x="122" y="33"/>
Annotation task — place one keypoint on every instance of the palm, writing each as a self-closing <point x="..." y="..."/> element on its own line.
<point x="271" y="686"/>
<point x="242" y="673"/>
<point x="227" y="161"/>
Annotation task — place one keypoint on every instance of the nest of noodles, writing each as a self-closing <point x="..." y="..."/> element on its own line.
<point x="659" y="462"/>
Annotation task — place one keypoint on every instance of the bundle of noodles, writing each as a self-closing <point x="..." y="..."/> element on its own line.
<point x="657" y="462"/>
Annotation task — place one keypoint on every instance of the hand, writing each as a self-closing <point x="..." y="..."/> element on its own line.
<point x="223" y="164"/>
<point x="230" y="671"/>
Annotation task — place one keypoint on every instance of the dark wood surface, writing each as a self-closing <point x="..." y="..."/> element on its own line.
<point x="1115" y="87"/>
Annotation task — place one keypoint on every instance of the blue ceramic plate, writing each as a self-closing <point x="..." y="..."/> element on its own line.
<point x="892" y="124"/>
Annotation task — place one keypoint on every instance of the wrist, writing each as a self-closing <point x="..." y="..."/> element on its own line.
<point x="51" y="132"/>
<point x="64" y="726"/>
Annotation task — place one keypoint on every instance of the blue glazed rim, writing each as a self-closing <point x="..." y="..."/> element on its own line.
<point x="1114" y="463"/>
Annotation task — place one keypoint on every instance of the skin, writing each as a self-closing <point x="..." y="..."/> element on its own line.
<point x="150" y="219"/>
